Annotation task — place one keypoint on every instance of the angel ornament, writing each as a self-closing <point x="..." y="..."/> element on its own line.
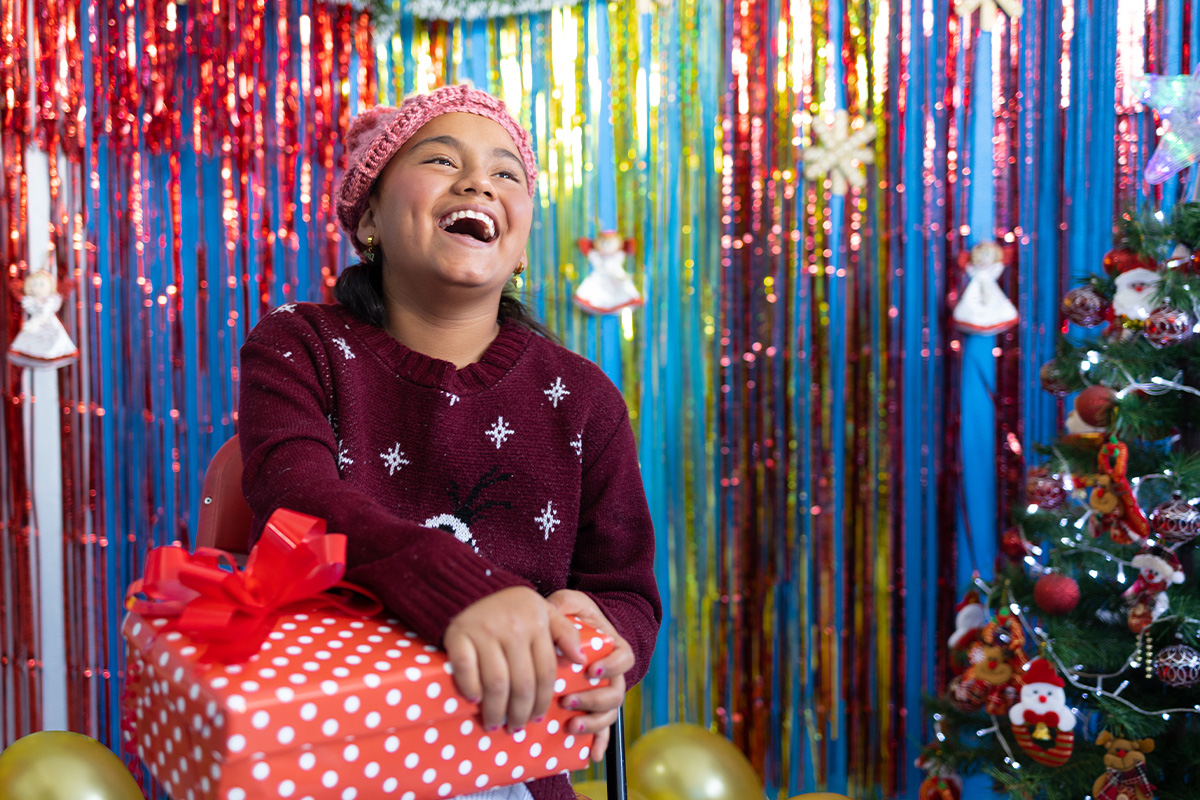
<point x="984" y="308"/>
<point x="608" y="288"/>
<point x="43" y="342"/>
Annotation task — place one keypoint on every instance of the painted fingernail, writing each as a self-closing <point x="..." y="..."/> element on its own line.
<point x="573" y="702"/>
<point x="493" y="728"/>
<point x="536" y="720"/>
<point x="599" y="672"/>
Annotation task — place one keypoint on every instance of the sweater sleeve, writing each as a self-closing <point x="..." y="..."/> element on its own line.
<point x="614" y="552"/>
<point x="289" y="453"/>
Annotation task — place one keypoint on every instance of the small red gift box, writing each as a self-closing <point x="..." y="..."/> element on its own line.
<point x="332" y="706"/>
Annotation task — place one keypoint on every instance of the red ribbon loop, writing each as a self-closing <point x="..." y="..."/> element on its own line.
<point x="229" y="611"/>
<point x="1033" y="718"/>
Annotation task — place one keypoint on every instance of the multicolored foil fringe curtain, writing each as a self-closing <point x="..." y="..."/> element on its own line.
<point x="792" y="378"/>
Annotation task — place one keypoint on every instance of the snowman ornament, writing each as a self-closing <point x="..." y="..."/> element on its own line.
<point x="1042" y="722"/>
<point x="1158" y="568"/>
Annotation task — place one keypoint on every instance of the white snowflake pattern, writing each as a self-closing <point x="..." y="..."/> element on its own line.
<point x="499" y="432"/>
<point x="344" y="459"/>
<point x="548" y="520"/>
<point x="453" y="397"/>
<point x="394" y="459"/>
<point x="577" y="446"/>
<point x="841" y="152"/>
<point x="288" y="307"/>
<point x="346" y="351"/>
<point x="556" y="391"/>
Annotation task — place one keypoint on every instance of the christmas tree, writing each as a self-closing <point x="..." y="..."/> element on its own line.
<point x="1077" y="666"/>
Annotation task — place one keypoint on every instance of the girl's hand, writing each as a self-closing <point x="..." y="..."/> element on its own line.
<point x="502" y="650"/>
<point x="603" y="703"/>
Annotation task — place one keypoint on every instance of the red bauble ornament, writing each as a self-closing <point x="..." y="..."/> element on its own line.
<point x="1167" y="326"/>
<point x="1044" y="490"/>
<point x="1178" y="665"/>
<point x="1084" y="306"/>
<point x="1095" y="405"/>
<point x="967" y="695"/>
<point x="1012" y="545"/>
<point x="1175" y="521"/>
<point x="1055" y="593"/>
<point x="1052" y="379"/>
<point x="1118" y="261"/>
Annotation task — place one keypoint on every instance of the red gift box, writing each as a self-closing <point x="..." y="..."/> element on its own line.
<point x="332" y="706"/>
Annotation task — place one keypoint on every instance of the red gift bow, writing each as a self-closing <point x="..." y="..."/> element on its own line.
<point x="1033" y="718"/>
<point x="291" y="569"/>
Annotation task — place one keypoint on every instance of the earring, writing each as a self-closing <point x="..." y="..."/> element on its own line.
<point x="520" y="268"/>
<point x="372" y="250"/>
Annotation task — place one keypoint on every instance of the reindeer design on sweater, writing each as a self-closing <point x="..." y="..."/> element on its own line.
<point x="469" y="508"/>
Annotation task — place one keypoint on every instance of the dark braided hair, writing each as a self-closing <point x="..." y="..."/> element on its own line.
<point x="359" y="288"/>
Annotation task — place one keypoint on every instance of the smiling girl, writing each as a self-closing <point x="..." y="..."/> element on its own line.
<point x="486" y="477"/>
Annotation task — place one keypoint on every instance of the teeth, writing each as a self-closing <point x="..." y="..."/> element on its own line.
<point x="450" y="219"/>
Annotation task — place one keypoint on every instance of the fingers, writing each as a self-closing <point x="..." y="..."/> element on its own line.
<point x="600" y="706"/>
<point x="592" y="723"/>
<point x="522" y="685"/>
<point x="545" y="665"/>
<point x="618" y="662"/>
<point x="494" y="677"/>
<point x="465" y="663"/>
<point x="565" y="636"/>
<point x="600" y="744"/>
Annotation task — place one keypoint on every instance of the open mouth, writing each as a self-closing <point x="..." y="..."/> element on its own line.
<point x="477" y="225"/>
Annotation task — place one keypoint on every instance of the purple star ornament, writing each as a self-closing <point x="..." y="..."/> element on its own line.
<point x="1176" y="98"/>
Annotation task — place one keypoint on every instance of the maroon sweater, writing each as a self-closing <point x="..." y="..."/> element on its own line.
<point x="451" y="484"/>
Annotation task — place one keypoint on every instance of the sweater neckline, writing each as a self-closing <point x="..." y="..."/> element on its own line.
<point x="497" y="360"/>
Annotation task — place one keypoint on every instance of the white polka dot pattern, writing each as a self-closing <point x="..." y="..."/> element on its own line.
<point x="310" y="717"/>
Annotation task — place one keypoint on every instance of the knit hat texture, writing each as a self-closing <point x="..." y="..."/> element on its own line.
<point x="1040" y="671"/>
<point x="378" y="133"/>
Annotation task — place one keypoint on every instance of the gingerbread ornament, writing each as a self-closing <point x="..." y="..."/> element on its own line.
<point x="1115" y="509"/>
<point x="996" y="661"/>
<point x="1124" y="775"/>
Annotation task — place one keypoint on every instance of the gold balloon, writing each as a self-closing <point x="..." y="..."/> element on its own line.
<point x="598" y="790"/>
<point x="687" y="762"/>
<point x="60" y="765"/>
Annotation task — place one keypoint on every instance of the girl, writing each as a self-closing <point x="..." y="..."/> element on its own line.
<point x="486" y="477"/>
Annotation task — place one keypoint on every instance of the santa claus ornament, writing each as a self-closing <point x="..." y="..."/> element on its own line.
<point x="1042" y="723"/>
<point x="1158" y="568"/>
<point x="43" y="342"/>
<point x="1136" y="282"/>
<point x="970" y="617"/>
<point x="608" y="288"/>
<point x="984" y="308"/>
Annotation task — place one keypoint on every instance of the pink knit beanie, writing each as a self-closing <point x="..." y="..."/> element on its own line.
<point x="377" y="134"/>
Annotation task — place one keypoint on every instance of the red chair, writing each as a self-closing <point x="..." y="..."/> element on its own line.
<point x="225" y="520"/>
